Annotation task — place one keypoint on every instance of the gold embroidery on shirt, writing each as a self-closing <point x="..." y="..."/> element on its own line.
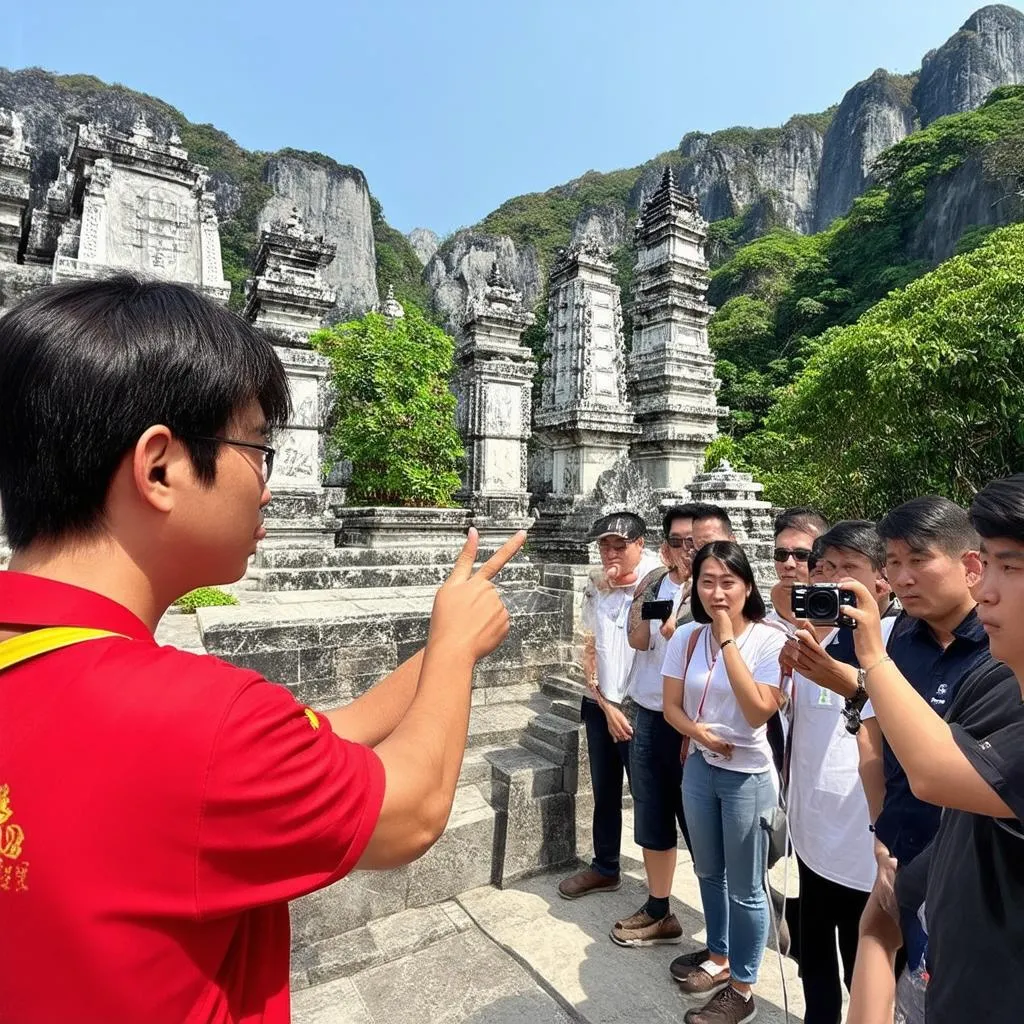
<point x="313" y="720"/>
<point x="12" y="840"/>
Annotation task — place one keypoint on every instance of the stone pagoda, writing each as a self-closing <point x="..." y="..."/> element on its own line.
<point x="15" y="166"/>
<point x="740" y="495"/>
<point x="584" y="425"/>
<point x="124" y="201"/>
<point x="494" y="375"/>
<point x="671" y="369"/>
<point x="288" y="299"/>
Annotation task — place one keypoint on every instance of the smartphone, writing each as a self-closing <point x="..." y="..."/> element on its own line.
<point x="656" y="610"/>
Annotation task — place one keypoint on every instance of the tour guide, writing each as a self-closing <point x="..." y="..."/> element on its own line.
<point x="158" y="809"/>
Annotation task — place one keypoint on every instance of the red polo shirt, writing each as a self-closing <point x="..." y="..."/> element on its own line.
<point x="157" y="811"/>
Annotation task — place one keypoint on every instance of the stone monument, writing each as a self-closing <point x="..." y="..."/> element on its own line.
<point x="671" y="368"/>
<point x="288" y="299"/>
<point x="127" y="202"/>
<point x="740" y="495"/>
<point x="584" y="424"/>
<point x="14" y="185"/>
<point x="493" y="380"/>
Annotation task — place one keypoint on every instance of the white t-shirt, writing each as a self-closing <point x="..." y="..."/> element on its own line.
<point x="759" y="644"/>
<point x="606" y="615"/>
<point x="645" y="685"/>
<point x="828" y="811"/>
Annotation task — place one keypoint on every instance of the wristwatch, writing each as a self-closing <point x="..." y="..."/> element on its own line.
<point x="855" y="705"/>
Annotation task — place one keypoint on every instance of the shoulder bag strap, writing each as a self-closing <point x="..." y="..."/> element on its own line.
<point x="691" y="646"/>
<point x="42" y="641"/>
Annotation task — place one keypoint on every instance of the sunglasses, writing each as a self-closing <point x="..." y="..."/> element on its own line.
<point x="679" y="542"/>
<point x="784" y="554"/>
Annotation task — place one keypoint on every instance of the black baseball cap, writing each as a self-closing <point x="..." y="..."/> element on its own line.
<point x="618" y="524"/>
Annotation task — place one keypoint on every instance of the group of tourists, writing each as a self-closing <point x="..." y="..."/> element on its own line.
<point x="158" y="809"/>
<point x="752" y="733"/>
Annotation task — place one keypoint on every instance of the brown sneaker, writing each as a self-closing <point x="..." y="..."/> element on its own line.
<point x="699" y="983"/>
<point x="728" y="1007"/>
<point x="575" y="886"/>
<point x="683" y="965"/>
<point x="643" y="930"/>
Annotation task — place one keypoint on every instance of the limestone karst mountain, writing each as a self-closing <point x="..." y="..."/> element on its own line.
<point x="800" y="176"/>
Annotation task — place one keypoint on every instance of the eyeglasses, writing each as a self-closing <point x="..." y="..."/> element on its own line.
<point x="680" y="542"/>
<point x="268" y="452"/>
<point x="784" y="554"/>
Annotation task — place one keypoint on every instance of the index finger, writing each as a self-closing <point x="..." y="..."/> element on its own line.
<point x="501" y="557"/>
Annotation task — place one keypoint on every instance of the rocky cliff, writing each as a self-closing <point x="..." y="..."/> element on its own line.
<point x="801" y="176"/>
<point x="424" y="243"/>
<point x="251" y="188"/>
<point x="988" y="51"/>
<point x="460" y="267"/>
<point x="334" y="201"/>
<point x="874" y="115"/>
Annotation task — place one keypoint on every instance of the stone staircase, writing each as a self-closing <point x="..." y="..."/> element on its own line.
<point x="515" y="813"/>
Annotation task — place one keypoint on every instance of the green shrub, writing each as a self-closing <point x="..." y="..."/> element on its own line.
<point x="204" y="597"/>
<point x="394" y="414"/>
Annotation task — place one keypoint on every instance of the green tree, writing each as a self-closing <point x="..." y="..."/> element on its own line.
<point x="394" y="415"/>
<point x="925" y="393"/>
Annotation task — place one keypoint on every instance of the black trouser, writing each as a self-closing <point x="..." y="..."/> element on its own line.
<point x="826" y="908"/>
<point x="609" y="759"/>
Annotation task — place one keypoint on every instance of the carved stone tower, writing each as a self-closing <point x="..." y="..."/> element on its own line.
<point x="671" y="368"/>
<point x="584" y="425"/>
<point x="494" y="377"/>
<point x="288" y="299"/>
<point x="14" y="185"/>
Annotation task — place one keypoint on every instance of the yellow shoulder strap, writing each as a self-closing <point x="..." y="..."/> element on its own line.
<point x="43" y="641"/>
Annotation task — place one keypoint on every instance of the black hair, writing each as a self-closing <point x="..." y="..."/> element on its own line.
<point x="817" y="550"/>
<point x="702" y="512"/>
<point x="734" y="558"/>
<point x="86" y="367"/>
<point x="801" y="517"/>
<point x="998" y="509"/>
<point x="686" y="511"/>
<point x="930" y="522"/>
<point x="858" y="535"/>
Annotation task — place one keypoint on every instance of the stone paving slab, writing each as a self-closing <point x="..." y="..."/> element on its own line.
<point x="463" y="978"/>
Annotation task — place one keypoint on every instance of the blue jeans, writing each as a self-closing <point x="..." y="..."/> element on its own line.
<point x="723" y="812"/>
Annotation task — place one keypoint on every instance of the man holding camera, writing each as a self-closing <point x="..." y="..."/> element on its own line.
<point x="932" y="562"/>
<point x="607" y="662"/>
<point x="835" y="746"/>
<point x="970" y="882"/>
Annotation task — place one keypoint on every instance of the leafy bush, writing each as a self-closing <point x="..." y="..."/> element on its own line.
<point x="204" y="597"/>
<point x="924" y="394"/>
<point x="394" y="414"/>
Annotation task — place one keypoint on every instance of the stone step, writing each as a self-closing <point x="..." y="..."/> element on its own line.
<point x="563" y="688"/>
<point x="377" y="942"/>
<point x="567" y="710"/>
<point x="305" y="558"/>
<point x="375" y="576"/>
<point x="460" y="860"/>
<point x="546" y="750"/>
<point x="555" y="730"/>
<point x="498" y="724"/>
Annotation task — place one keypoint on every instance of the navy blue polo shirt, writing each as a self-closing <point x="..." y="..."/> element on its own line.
<point x="906" y="824"/>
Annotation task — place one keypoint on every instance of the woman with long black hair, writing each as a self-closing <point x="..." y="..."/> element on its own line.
<point x="721" y="685"/>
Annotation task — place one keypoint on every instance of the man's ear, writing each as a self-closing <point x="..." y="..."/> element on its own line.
<point x="972" y="567"/>
<point x="155" y="462"/>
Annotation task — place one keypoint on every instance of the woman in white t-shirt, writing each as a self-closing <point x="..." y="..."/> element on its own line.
<point x="721" y="685"/>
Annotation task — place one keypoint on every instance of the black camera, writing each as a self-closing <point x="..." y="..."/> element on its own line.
<point x="822" y="604"/>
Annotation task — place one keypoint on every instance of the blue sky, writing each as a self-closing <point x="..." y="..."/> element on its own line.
<point x="453" y="106"/>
